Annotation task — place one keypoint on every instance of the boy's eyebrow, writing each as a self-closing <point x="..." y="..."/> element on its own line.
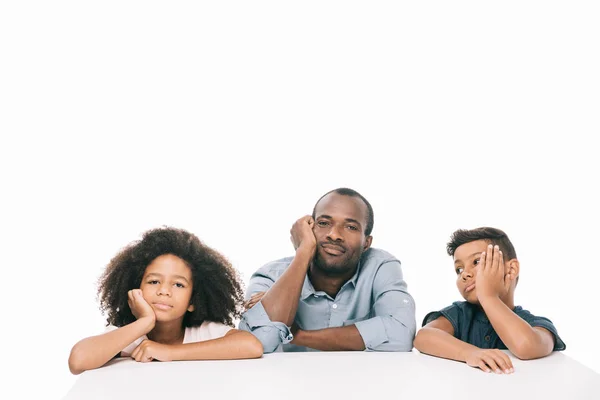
<point x="474" y="254"/>
<point x="347" y="219"/>
<point x="161" y="276"/>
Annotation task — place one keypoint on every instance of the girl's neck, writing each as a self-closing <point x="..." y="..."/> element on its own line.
<point x="172" y="332"/>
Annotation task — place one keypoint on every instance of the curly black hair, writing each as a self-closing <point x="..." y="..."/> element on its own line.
<point x="217" y="291"/>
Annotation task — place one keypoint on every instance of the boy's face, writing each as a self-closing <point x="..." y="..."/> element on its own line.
<point x="466" y="263"/>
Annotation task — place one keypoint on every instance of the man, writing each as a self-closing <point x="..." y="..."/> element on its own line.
<point x="336" y="293"/>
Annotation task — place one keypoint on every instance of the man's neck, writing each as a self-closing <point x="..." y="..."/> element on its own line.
<point x="328" y="283"/>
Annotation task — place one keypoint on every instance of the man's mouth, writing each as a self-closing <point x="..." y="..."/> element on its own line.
<point x="333" y="249"/>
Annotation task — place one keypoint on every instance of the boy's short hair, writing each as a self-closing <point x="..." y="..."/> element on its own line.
<point x="491" y="235"/>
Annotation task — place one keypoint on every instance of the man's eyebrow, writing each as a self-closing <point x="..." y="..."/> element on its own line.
<point x="161" y="276"/>
<point x="347" y="219"/>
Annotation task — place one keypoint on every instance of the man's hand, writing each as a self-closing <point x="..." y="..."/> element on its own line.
<point x="139" y="306"/>
<point x="492" y="280"/>
<point x="490" y="360"/>
<point x="149" y="350"/>
<point x="255" y="298"/>
<point x="302" y="234"/>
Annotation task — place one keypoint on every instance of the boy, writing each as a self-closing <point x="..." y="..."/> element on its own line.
<point x="487" y="272"/>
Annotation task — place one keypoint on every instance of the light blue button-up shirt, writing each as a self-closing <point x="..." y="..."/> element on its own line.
<point x="375" y="300"/>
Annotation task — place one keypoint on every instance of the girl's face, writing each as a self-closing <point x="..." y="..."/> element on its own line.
<point x="167" y="287"/>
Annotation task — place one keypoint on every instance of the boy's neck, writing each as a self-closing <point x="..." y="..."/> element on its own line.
<point x="172" y="332"/>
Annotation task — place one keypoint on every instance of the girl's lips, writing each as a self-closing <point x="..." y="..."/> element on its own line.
<point x="162" y="306"/>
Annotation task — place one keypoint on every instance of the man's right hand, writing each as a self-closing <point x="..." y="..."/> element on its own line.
<point x="139" y="306"/>
<point x="302" y="234"/>
<point x="490" y="360"/>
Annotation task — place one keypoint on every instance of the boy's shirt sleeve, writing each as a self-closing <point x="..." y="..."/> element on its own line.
<point x="452" y="313"/>
<point x="542" y="322"/>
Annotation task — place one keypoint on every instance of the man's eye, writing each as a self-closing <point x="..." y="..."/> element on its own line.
<point x="459" y="271"/>
<point x="352" y="228"/>
<point x="322" y="223"/>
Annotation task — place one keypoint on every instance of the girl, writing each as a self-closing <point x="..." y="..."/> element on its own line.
<point x="167" y="297"/>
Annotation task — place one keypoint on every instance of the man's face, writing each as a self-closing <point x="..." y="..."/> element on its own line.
<point x="340" y="223"/>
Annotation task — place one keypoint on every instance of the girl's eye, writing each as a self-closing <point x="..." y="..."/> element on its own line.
<point x="179" y="285"/>
<point x="476" y="262"/>
<point x="459" y="271"/>
<point x="153" y="282"/>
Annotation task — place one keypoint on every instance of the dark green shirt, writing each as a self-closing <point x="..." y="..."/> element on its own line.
<point x="471" y="325"/>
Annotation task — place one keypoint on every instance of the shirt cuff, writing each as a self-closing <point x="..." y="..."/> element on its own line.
<point x="257" y="317"/>
<point x="372" y="331"/>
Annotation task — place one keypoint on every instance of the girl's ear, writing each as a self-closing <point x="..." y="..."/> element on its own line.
<point x="191" y="308"/>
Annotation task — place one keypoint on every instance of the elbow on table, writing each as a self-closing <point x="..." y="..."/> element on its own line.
<point x="527" y="350"/>
<point x="76" y="362"/>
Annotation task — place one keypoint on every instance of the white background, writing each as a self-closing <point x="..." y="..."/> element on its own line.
<point x="231" y="120"/>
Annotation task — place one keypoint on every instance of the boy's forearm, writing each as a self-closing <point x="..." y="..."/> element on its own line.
<point x="281" y="300"/>
<point x="518" y="336"/>
<point x="95" y="351"/>
<point x="346" y="338"/>
<point x="236" y="345"/>
<point x="438" y="343"/>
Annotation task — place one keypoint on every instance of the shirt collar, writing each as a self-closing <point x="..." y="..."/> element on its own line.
<point x="308" y="288"/>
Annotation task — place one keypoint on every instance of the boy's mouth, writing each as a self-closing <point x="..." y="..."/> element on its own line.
<point x="470" y="287"/>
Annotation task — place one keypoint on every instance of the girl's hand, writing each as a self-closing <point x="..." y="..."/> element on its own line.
<point x="149" y="350"/>
<point x="139" y="306"/>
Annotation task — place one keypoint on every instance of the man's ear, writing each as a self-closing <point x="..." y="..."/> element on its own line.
<point x="513" y="268"/>
<point x="368" y="241"/>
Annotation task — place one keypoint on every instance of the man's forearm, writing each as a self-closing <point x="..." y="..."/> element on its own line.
<point x="281" y="300"/>
<point x="331" y="339"/>
<point x="518" y="336"/>
<point x="438" y="343"/>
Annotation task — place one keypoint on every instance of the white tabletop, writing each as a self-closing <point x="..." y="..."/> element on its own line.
<point x="337" y="375"/>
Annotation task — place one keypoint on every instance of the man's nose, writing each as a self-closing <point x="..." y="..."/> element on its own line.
<point x="334" y="234"/>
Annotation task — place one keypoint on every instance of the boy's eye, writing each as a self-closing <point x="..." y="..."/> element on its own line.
<point x="459" y="270"/>
<point x="476" y="262"/>
<point x="153" y="282"/>
<point x="179" y="285"/>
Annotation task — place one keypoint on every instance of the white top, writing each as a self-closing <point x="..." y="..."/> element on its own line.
<point x="207" y="331"/>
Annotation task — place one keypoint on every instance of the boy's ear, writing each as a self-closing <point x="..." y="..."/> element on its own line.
<point x="513" y="268"/>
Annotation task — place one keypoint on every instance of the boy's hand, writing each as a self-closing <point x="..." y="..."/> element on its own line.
<point x="139" y="306"/>
<point x="491" y="280"/>
<point x="302" y="234"/>
<point x="490" y="360"/>
<point x="149" y="350"/>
